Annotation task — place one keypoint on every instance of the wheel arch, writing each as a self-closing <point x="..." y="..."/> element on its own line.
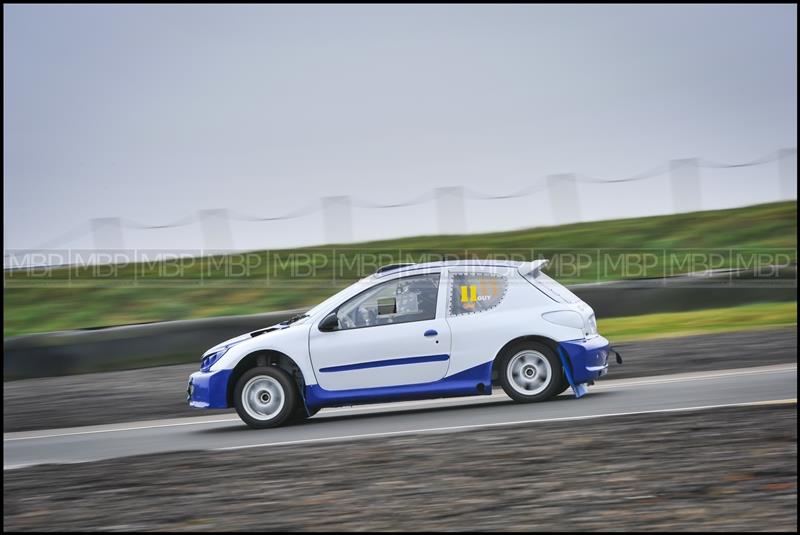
<point x="266" y="357"/>
<point x="549" y="342"/>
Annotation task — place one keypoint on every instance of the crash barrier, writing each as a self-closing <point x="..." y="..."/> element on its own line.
<point x="176" y="342"/>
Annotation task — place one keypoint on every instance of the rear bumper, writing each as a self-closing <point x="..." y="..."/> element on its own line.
<point x="588" y="358"/>
<point x="208" y="390"/>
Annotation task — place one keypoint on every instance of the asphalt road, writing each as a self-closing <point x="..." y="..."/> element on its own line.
<point x="159" y="393"/>
<point x="666" y="393"/>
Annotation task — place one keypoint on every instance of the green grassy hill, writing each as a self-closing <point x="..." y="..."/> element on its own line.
<point x="280" y="279"/>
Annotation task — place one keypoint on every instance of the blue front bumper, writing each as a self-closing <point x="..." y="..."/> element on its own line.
<point x="588" y="359"/>
<point x="208" y="390"/>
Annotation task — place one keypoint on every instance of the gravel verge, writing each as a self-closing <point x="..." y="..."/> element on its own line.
<point x="154" y="393"/>
<point x="725" y="469"/>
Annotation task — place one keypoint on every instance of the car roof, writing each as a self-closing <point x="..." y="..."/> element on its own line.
<point x="392" y="269"/>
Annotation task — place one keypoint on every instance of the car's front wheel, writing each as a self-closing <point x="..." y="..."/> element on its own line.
<point x="265" y="397"/>
<point x="530" y="371"/>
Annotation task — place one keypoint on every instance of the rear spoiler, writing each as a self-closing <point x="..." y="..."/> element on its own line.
<point x="532" y="268"/>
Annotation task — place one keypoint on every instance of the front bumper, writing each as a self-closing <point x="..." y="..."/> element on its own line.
<point x="208" y="390"/>
<point x="588" y="359"/>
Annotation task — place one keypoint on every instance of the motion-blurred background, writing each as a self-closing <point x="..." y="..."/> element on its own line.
<point x="138" y="134"/>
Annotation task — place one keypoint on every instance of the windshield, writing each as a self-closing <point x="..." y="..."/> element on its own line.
<point x="552" y="288"/>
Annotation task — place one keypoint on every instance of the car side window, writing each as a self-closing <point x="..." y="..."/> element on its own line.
<point x="475" y="292"/>
<point x="397" y="301"/>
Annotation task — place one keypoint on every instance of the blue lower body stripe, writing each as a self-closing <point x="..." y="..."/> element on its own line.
<point x="465" y="383"/>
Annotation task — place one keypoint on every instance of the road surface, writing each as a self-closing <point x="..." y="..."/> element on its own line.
<point x="665" y="393"/>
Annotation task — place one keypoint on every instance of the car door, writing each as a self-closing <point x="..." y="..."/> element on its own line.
<point x="476" y="315"/>
<point x="394" y="333"/>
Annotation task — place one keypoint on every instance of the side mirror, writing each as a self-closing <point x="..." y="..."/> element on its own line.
<point x="329" y="323"/>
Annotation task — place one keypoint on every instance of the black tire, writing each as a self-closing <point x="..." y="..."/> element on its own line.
<point x="555" y="381"/>
<point x="274" y="377"/>
<point x="564" y="383"/>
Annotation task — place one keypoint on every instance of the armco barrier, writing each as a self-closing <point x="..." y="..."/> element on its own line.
<point x="175" y="342"/>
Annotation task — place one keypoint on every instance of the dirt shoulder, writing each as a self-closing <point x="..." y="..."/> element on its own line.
<point x="726" y="469"/>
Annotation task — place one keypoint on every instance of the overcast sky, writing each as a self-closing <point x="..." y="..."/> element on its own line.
<point x="151" y="113"/>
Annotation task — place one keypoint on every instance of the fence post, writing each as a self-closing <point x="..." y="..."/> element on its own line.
<point x="787" y="169"/>
<point x="450" y="210"/>
<point x="685" y="182"/>
<point x="338" y="219"/>
<point x="216" y="230"/>
<point x="564" y="201"/>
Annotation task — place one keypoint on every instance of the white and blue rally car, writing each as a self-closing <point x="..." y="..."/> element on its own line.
<point x="411" y="331"/>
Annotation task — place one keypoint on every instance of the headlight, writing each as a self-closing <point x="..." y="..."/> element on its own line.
<point x="592" y="327"/>
<point x="209" y="360"/>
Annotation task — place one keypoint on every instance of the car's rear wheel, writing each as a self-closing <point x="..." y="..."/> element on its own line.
<point x="564" y="384"/>
<point x="265" y="397"/>
<point x="530" y="371"/>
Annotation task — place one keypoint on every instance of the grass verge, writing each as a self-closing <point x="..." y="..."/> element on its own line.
<point x="740" y="318"/>
<point x="262" y="281"/>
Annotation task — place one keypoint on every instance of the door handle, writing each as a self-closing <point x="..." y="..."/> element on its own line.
<point x="431" y="332"/>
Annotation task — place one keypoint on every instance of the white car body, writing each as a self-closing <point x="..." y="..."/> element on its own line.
<point x="480" y="308"/>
